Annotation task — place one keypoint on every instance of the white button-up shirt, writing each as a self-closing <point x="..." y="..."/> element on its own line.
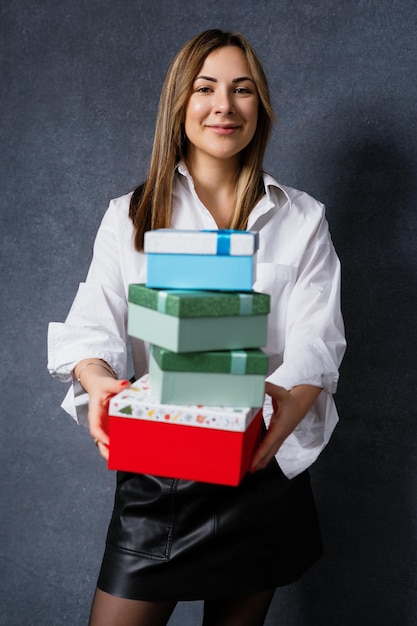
<point x="296" y="265"/>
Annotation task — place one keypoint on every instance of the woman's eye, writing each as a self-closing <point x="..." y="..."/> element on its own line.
<point x="243" y="90"/>
<point x="203" y="90"/>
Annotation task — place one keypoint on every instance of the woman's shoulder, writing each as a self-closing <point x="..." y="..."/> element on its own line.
<point x="121" y="203"/>
<point x="117" y="211"/>
<point x="296" y="201"/>
<point x="115" y="222"/>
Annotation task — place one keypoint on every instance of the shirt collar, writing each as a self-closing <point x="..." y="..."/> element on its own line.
<point x="271" y="183"/>
<point x="275" y="194"/>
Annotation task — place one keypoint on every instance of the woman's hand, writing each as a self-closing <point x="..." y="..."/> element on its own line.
<point x="100" y="385"/>
<point x="289" y="408"/>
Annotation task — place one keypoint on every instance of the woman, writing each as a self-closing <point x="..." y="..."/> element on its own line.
<point x="170" y="539"/>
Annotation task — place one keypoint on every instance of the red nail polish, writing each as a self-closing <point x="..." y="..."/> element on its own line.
<point x="124" y="383"/>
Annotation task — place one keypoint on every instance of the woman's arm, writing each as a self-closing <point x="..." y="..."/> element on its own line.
<point x="95" y="328"/>
<point x="98" y="379"/>
<point x="289" y="408"/>
<point x="313" y="350"/>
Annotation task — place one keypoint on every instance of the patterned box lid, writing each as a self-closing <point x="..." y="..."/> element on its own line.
<point x="137" y="402"/>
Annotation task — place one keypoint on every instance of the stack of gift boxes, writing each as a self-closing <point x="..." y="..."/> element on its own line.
<point x="197" y="414"/>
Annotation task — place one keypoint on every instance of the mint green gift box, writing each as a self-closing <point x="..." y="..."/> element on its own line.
<point x="197" y="321"/>
<point x="230" y="378"/>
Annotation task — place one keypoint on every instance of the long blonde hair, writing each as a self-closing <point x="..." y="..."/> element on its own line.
<point x="151" y="202"/>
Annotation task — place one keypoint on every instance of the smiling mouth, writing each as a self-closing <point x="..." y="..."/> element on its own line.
<point x="223" y="130"/>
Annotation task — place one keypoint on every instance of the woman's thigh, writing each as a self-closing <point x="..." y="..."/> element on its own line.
<point x="109" y="610"/>
<point x="250" y="610"/>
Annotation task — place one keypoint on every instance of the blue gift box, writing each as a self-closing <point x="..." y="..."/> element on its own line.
<point x="219" y="260"/>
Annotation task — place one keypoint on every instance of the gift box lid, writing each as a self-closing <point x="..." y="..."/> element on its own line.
<point x="137" y="402"/>
<point x="252" y="361"/>
<point x="193" y="303"/>
<point x="211" y="242"/>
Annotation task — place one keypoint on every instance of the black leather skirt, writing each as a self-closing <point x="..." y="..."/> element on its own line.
<point x="172" y="539"/>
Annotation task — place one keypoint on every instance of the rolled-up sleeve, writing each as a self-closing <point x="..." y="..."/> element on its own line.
<point x="314" y="348"/>
<point x="96" y="324"/>
<point x="315" y="339"/>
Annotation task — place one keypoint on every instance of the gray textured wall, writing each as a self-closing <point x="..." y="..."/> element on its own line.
<point x="79" y="87"/>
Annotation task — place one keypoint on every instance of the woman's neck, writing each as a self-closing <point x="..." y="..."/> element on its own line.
<point x="215" y="185"/>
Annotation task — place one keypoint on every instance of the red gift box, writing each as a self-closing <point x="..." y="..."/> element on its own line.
<point x="152" y="442"/>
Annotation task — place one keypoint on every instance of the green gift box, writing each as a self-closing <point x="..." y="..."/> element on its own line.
<point x="197" y="321"/>
<point x="232" y="378"/>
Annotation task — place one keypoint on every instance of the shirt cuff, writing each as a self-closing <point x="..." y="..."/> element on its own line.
<point x="75" y="404"/>
<point x="312" y="365"/>
<point x="304" y="445"/>
<point x="68" y="345"/>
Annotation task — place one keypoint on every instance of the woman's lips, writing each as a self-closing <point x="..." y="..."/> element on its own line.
<point x="223" y="130"/>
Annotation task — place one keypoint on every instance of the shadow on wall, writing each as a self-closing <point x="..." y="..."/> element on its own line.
<point x="366" y="479"/>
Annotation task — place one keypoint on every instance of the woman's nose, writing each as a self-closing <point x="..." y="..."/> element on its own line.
<point x="223" y="102"/>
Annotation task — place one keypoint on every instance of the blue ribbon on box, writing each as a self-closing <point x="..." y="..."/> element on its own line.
<point x="224" y="236"/>
<point x="161" y="305"/>
<point x="162" y="302"/>
<point x="238" y="362"/>
<point x="245" y="303"/>
<point x="223" y="242"/>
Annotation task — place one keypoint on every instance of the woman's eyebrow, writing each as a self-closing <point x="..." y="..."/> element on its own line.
<point x="242" y="79"/>
<point x="213" y="80"/>
<point x="235" y="80"/>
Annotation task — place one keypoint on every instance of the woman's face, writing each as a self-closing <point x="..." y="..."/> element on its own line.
<point x="222" y="112"/>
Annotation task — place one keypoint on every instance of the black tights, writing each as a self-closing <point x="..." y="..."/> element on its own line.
<point x="108" y="610"/>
